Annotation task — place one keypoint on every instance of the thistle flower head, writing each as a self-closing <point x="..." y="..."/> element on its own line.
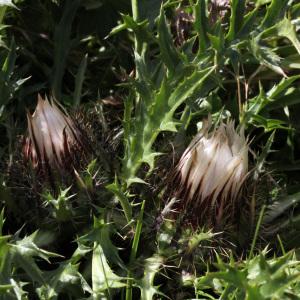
<point x="212" y="170"/>
<point x="53" y="141"/>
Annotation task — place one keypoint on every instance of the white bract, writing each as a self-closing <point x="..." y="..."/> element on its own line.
<point x="213" y="168"/>
<point x="53" y="136"/>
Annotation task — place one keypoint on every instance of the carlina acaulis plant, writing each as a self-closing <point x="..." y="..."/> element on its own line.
<point x="55" y="143"/>
<point x="211" y="173"/>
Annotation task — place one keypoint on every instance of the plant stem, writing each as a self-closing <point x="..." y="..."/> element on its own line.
<point x="135" y="9"/>
<point x="133" y="253"/>
<point x="138" y="46"/>
<point x="257" y="230"/>
<point x="281" y="245"/>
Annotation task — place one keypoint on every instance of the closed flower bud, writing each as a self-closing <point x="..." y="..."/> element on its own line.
<point x="54" y="142"/>
<point x="211" y="172"/>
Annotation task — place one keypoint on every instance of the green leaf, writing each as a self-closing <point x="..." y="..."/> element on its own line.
<point x="62" y="45"/>
<point x="268" y="124"/>
<point x="80" y="252"/>
<point x="262" y="2"/>
<point x="289" y="97"/>
<point x="258" y="278"/>
<point x="281" y="86"/>
<point x="201" y="24"/>
<point x="104" y="252"/>
<point x="236" y="18"/>
<point x="260" y="161"/>
<point x="286" y="29"/>
<point x="7" y="3"/>
<point x="140" y="29"/>
<point x="9" y="63"/>
<point x="134" y="249"/>
<point x="60" y="206"/>
<point x="18" y="289"/>
<point x="266" y="56"/>
<point x="101" y="233"/>
<point x="148" y="10"/>
<point x="65" y="277"/>
<point x="2" y="220"/>
<point x="103" y="278"/>
<point x="198" y="237"/>
<point x="5" y="288"/>
<point x="27" y="248"/>
<point x="28" y="264"/>
<point x="275" y="11"/>
<point x="116" y="189"/>
<point x="189" y="86"/>
<point x="152" y="266"/>
<point x="279" y="207"/>
<point x="248" y="23"/>
<point x="154" y="116"/>
<point x="169" y="54"/>
<point x="6" y="258"/>
<point x="22" y="254"/>
<point x="118" y="29"/>
<point x="217" y="41"/>
<point x="79" y="81"/>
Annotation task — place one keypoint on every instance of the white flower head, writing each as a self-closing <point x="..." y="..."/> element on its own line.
<point x="53" y="138"/>
<point x="212" y="170"/>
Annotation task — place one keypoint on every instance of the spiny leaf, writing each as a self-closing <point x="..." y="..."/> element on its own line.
<point x="66" y="276"/>
<point x="148" y="290"/>
<point x="275" y="10"/>
<point x="201" y="24"/>
<point x="101" y="234"/>
<point x="148" y="10"/>
<point x="27" y="248"/>
<point x="288" y="97"/>
<point x="260" y="161"/>
<point x="236" y="18"/>
<point x="188" y="86"/>
<point x="168" y="51"/>
<point x="62" y="38"/>
<point x="281" y="86"/>
<point x="18" y="289"/>
<point x="285" y="28"/>
<point x="198" y="237"/>
<point x="258" y="278"/>
<point x="79" y="80"/>
<point x="248" y="23"/>
<point x="103" y="278"/>
<point x="116" y="189"/>
<point x="279" y="207"/>
<point x="266" y="56"/>
<point x="139" y="28"/>
<point x="262" y="2"/>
